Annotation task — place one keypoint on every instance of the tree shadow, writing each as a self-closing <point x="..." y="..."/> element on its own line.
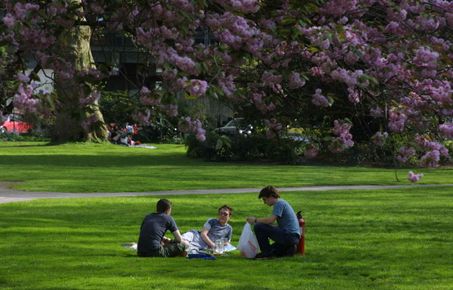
<point x="98" y="160"/>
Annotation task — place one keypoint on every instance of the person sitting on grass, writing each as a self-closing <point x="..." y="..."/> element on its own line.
<point x="214" y="229"/>
<point x="152" y="241"/>
<point x="285" y="235"/>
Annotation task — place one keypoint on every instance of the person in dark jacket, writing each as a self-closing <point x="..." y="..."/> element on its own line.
<point x="152" y="241"/>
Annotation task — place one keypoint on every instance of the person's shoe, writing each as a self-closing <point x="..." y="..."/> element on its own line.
<point x="263" y="256"/>
<point x="183" y="254"/>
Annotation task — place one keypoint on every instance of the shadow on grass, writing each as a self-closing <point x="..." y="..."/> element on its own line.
<point x="99" y="160"/>
<point x="26" y="146"/>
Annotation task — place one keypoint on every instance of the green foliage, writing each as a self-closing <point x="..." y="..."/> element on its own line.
<point x="242" y="148"/>
<point x="161" y="130"/>
<point x="117" y="107"/>
<point x="22" y="138"/>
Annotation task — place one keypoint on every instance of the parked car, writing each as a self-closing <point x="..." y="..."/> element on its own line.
<point x="14" y="124"/>
<point x="236" y="126"/>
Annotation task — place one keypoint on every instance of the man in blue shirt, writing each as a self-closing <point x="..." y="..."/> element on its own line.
<point x="285" y="235"/>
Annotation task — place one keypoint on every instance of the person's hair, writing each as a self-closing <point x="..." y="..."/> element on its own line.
<point x="226" y="207"/>
<point x="163" y="205"/>
<point x="269" y="191"/>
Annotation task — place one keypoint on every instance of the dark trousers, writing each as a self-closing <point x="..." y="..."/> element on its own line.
<point x="172" y="249"/>
<point x="284" y="243"/>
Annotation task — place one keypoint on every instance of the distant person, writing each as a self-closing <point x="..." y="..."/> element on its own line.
<point x="285" y="235"/>
<point x="115" y="133"/>
<point x="152" y="241"/>
<point x="129" y="129"/>
<point x="214" y="229"/>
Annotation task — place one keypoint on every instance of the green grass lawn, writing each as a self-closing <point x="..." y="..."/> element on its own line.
<point x="392" y="239"/>
<point x="113" y="168"/>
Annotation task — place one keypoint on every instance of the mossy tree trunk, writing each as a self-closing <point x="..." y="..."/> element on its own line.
<point x="71" y="117"/>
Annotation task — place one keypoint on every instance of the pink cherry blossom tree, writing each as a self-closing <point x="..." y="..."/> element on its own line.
<point x="355" y="70"/>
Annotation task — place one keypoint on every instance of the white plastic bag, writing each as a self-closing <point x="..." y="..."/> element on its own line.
<point x="248" y="245"/>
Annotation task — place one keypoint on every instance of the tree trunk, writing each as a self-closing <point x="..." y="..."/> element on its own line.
<point x="71" y="117"/>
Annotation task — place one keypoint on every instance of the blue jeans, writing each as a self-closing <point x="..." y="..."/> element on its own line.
<point x="283" y="242"/>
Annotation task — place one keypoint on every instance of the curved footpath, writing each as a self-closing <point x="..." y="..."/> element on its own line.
<point x="10" y="195"/>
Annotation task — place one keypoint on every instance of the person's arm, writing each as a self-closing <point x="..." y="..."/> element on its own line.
<point x="179" y="238"/>
<point x="204" y="235"/>
<point x="265" y="220"/>
<point x="230" y="234"/>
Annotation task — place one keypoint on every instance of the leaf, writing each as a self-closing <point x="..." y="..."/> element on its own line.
<point x="341" y="33"/>
<point x="313" y="49"/>
<point x="190" y="97"/>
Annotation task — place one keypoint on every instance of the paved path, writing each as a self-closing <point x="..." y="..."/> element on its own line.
<point x="9" y="195"/>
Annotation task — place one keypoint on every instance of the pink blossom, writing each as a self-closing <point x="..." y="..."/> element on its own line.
<point x="23" y="99"/>
<point x="9" y="20"/>
<point x="439" y="91"/>
<point x="394" y="28"/>
<point x="379" y="138"/>
<point x="344" y="139"/>
<point x="227" y="85"/>
<point x="231" y="39"/>
<point x="295" y="81"/>
<point x="187" y="125"/>
<point x="338" y="8"/>
<point x="447" y="130"/>
<point x="405" y="154"/>
<point x="348" y="77"/>
<point x="316" y="71"/>
<point x="244" y="6"/>
<point x="23" y="78"/>
<point x="430" y="159"/>
<point x="197" y="87"/>
<point x="311" y="152"/>
<point x="432" y="145"/>
<point x="144" y="91"/>
<point x="184" y="63"/>
<point x="414" y="177"/>
<point x="426" y="23"/>
<point x="353" y="96"/>
<point x="254" y="45"/>
<point x="397" y="121"/>
<point x="186" y="5"/>
<point x="351" y="58"/>
<point x="21" y="10"/>
<point x="147" y="99"/>
<point x="269" y="79"/>
<point x="319" y="100"/>
<point x="426" y="58"/>
<point x="201" y="134"/>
